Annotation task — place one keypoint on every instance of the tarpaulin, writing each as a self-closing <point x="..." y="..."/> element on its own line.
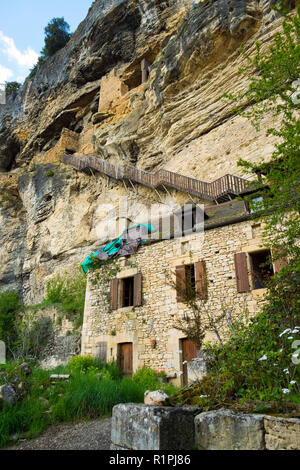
<point x="125" y="245"/>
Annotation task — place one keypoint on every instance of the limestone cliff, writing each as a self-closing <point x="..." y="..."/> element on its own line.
<point x="49" y="213"/>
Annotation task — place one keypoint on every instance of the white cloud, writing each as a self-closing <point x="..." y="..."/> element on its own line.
<point x="28" y="58"/>
<point x="5" y="74"/>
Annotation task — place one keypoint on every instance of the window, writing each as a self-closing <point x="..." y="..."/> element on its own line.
<point x="127" y="286"/>
<point x="126" y="292"/>
<point x="259" y="265"/>
<point x="261" y="268"/>
<point x="191" y="280"/>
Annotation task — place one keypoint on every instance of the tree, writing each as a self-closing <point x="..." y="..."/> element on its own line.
<point x="275" y="88"/>
<point x="11" y="88"/>
<point x="56" y="36"/>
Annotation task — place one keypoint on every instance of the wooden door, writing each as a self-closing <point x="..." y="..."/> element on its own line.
<point x="125" y="358"/>
<point x="189" y="352"/>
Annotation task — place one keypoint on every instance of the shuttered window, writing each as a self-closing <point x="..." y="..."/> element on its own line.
<point x="201" y="279"/>
<point x="114" y="286"/>
<point x="191" y="278"/>
<point x="241" y="271"/>
<point x="180" y="282"/>
<point x="137" y="290"/>
<point x="126" y="292"/>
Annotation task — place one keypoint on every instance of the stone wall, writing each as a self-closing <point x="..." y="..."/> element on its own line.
<point x="150" y="327"/>
<point x="142" y="427"/>
<point x="64" y="341"/>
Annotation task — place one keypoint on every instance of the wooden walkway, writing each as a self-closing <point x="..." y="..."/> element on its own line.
<point x="220" y="190"/>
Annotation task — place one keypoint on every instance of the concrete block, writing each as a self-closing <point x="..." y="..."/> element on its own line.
<point x="142" y="427"/>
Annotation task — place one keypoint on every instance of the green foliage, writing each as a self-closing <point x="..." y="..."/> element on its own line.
<point x="10" y="305"/>
<point x="69" y="293"/>
<point x="85" y="395"/>
<point x="56" y="36"/>
<point x="148" y="379"/>
<point x="11" y="88"/>
<point x="259" y="363"/>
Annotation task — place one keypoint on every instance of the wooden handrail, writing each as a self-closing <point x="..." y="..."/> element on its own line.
<point x="226" y="185"/>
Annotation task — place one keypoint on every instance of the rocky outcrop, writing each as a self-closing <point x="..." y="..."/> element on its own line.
<point x="7" y="394"/>
<point x="50" y="214"/>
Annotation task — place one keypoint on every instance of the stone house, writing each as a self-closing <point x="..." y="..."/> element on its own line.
<point x="132" y="305"/>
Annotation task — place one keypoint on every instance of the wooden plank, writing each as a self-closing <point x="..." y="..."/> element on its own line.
<point x="180" y="282"/>
<point x="189" y="352"/>
<point x="137" y="290"/>
<point x="114" y="287"/>
<point x="241" y="271"/>
<point x="201" y="279"/>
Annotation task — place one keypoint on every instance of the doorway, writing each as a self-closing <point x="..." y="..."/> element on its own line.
<point x="125" y="358"/>
<point x="189" y="352"/>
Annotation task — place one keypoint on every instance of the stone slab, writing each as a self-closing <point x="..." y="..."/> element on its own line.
<point x="142" y="427"/>
<point x="226" y="430"/>
<point x="282" y="433"/>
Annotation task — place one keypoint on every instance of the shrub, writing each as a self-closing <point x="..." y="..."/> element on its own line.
<point x="11" y="88"/>
<point x="148" y="379"/>
<point x="69" y="293"/>
<point x="10" y="305"/>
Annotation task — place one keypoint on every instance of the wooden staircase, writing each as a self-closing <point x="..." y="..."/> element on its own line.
<point x="223" y="189"/>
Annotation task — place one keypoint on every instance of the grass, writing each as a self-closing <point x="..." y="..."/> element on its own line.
<point x="92" y="391"/>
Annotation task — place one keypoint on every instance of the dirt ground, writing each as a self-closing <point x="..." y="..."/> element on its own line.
<point x="92" y="435"/>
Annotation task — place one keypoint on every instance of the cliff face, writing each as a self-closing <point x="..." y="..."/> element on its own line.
<point x="51" y="216"/>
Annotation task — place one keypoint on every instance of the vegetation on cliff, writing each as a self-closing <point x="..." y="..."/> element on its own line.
<point x="57" y="35"/>
<point x="26" y="333"/>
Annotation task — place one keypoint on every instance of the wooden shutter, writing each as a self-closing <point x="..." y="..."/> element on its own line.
<point x="101" y="351"/>
<point x="201" y="279"/>
<point x="137" y="290"/>
<point x="180" y="282"/>
<point x="114" y="286"/>
<point x="241" y="272"/>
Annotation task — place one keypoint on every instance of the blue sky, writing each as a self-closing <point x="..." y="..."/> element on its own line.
<point x="22" y="26"/>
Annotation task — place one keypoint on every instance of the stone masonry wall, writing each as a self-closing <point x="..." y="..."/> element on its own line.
<point x="155" y="318"/>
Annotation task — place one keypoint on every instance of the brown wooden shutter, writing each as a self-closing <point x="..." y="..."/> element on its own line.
<point x="241" y="272"/>
<point x="201" y="279"/>
<point x="180" y="282"/>
<point x="114" y="286"/>
<point x="137" y="290"/>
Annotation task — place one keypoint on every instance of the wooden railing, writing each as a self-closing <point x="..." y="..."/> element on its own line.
<point x="228" y="185"/>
